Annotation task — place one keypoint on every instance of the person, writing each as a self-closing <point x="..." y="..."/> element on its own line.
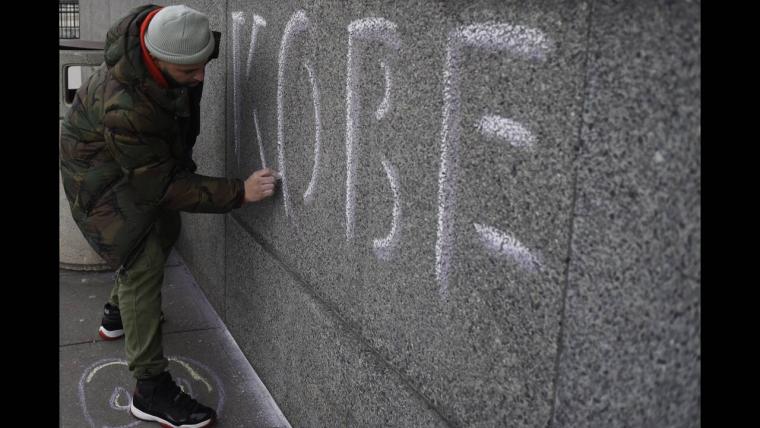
<point x="127" y="169"/>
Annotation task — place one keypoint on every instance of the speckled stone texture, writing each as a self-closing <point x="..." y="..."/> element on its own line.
<point x="318" y="370"/>
<point x="484" y="353"/>
<point x="631" y="348"/>
<point x="201" y="241"/>
<point x="566" y="292"/>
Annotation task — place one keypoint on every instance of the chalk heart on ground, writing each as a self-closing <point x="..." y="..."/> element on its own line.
<point x="104" y="389"/>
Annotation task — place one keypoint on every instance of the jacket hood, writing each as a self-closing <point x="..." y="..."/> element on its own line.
<point x="123" y="54"/>
<point x="123" y="57"/>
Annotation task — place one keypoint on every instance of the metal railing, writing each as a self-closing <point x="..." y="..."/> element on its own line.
<point x="68" y="19"/>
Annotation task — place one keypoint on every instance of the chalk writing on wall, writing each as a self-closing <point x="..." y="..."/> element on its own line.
<point x="384" y="247"/>
<point x="361" y="32"/>
<point x="308" y="195"/>
<point x="258" y="139"/>
<point x="238" y="21"/>
<point x="298" y="23"/>
<point x="501" y="243"/>
<point x="514" y="40"/>
<point x="502" y="129"/>
<point x="258" y="22"/>
<point x="382" y="109"/>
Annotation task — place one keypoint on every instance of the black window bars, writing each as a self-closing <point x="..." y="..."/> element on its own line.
<point x="68" y="19"/>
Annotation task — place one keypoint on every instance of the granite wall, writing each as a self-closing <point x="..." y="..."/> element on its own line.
<point x="489" y="213"/>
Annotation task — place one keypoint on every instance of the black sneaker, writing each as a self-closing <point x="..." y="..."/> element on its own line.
<point x="159" y="399"/>
<point x="111" y="327"/>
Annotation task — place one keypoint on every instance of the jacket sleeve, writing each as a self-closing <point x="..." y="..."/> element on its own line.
<point x="156" y="178"/>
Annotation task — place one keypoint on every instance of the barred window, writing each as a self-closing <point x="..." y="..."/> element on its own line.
<point x="68" y="19"/>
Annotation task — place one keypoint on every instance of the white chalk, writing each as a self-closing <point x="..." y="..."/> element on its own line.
<point x="384" y="106"/>
<point x="114" y="401"/>
<point x="258" y="22"/>
<point x="384" y="247"/>
<point x="258" y="138"/>
<point x="520" y="42"/>
<point x="367" y="29"/>
<point x="297" y="23"/>
<point x="308" y="195"/>
<point x="517" y="41"/>
<point x="497" y="128"/>
<point x="504" y="244"/>
<point x="238" y="20"/>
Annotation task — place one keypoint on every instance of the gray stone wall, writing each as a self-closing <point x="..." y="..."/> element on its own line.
<point x="489" y="216"/>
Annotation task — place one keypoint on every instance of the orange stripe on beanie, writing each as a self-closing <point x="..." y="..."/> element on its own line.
<point x="152" y="68"/>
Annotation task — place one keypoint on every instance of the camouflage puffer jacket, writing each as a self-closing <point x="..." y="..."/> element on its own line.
<point x="126" y="150"/>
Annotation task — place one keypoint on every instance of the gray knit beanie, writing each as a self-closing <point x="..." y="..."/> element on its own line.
<point x="179" y="35"/>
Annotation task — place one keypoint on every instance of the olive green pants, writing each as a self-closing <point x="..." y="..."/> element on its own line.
<point x="137" y="294"/>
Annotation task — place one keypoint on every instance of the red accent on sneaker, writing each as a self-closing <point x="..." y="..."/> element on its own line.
<point x="104" y="337"/>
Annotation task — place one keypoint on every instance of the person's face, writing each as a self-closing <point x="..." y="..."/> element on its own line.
<point x="183" y="74"/>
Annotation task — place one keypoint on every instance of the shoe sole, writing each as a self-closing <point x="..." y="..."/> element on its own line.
<point x="117" y="334"/>
<point x="110" y="335"/>
<point x="139" y="414"/>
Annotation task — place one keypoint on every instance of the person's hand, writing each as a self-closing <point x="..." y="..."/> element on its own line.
<point x="260" y="185"/>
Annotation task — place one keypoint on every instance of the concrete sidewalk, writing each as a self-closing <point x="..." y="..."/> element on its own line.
<point x="95" y="386"/>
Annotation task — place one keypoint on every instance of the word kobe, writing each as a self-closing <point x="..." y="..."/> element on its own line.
<point x="518" y="42"/>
